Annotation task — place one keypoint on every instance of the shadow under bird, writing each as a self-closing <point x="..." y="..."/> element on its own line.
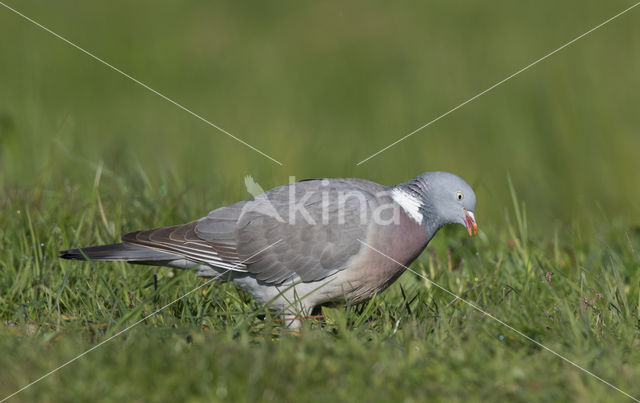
<point x="307" y="243"/>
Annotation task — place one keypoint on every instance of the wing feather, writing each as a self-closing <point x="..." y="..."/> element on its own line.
<point x="239" y="237"/>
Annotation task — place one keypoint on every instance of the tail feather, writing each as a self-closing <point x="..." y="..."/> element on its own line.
<point x="118" y="251"/>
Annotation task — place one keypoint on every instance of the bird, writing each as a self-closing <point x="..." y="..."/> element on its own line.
<point x="308" y="243"/>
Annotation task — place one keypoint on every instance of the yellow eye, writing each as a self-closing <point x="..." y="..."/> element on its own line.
<point x="459" y="195"/>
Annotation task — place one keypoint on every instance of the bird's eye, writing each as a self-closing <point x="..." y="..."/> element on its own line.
<point x="459" y="195"/>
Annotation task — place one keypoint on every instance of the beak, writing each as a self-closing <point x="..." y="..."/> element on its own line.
<point x="470" y="223"/>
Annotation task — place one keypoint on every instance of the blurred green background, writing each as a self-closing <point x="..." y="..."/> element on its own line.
<point x="320" y="86"/>
<point x="86" y="155"/>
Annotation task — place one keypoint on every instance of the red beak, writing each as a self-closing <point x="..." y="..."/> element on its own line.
<point x="470" y="223"/>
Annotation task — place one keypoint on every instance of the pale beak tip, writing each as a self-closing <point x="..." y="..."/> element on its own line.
<point x="470" y="223"/>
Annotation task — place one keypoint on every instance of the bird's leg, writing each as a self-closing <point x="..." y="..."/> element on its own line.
<point x="297" y="311"/>
<point x="293" y="322"/>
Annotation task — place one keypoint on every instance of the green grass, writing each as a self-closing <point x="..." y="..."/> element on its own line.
<point x="412" y="342"/>
<point x="86" y="155"/>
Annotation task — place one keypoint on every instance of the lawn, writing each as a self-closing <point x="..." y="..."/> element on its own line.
<point x="87" y="155"/>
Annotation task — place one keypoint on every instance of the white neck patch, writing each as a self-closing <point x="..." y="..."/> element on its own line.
<point x="410" y="204"/>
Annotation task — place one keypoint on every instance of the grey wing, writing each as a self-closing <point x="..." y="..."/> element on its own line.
<point x="306" y="232"/>
<point x="183" y="241"/>
<point x="314" y="239"/>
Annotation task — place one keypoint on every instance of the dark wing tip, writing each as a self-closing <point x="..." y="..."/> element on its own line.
<point x="72" y="254"/>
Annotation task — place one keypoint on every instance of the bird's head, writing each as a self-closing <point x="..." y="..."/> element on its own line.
<point x="435" y="199"/>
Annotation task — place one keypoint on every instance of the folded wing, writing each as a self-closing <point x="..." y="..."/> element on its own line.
<point x="304" y="232"/>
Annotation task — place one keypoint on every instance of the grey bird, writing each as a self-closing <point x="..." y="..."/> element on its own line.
<point x="307" y="243"/>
